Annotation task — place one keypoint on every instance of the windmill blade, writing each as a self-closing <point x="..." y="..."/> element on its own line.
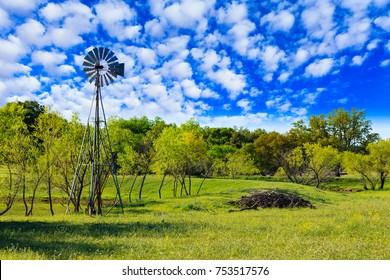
<point x="101" y="49"/>
<point x="114" y="58"/>
<point x="89" y="59"/>
<point x="90" y="73"/>
<point x="105" y="79"/>
<point x="105" y="53"/>
<point x="93" y="77"/>
<point x="93" y="57"/>
<point x="86" y="63"/>
<point x="109" y="76"/>
<point x="109" y="55"/>
<point x="87" y="69"/>
<point x="95" y="51"/>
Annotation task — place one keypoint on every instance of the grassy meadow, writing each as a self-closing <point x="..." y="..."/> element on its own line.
<point x="344" y="225"/>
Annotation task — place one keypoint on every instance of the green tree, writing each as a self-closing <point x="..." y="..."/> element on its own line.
<point x="48" y="131"/>
<point x="15" y="152"/>
<point x="362" y="165"/>
<point x="379" y="154"/>
<point x="240" y="163"/>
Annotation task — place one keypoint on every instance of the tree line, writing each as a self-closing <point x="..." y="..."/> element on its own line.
<point x="39" y="149"/>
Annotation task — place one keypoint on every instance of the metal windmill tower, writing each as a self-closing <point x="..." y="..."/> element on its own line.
<point x="96" y="158"/>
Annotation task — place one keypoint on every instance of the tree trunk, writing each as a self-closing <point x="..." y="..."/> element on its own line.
<point x="383" y="179"/>
<point x="132" y="187"/>
<point x="201" y="184"/>
<point x="141" y="187"/>
<point x="161" y="185"/>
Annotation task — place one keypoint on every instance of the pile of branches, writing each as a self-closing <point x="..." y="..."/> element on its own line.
<point x="268" y="199"/>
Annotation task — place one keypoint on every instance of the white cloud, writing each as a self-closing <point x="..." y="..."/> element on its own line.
<point x="284" y="77"/>
<point x="245" y="104"/>
<point x="268" y="77"/>
<point x="319" y="68"/>
<point x="310" y="98"/>
<point x="174" y="46"/>
<point x="154" y="28"/>
<point x="373" y="44"/>
<point x="187" y="13"/>
<point x="117" y="18"/>
<point x="383" y="22"/>
<point x="301" y="57"/>
<point x="146" y="57"/>
<point x="52" y="62"/>
<point x="19" y="88"/>
<point x="53" y="12"/>
<point x="176" y="69"/>
<point x="318" y="18"/>
<point x="283" y="20"/>
<point x="32" y="32"/>
<point x="358" y="60"/>
<point x="385" y="63"/>
<point x="239" y="35"/>
<point x="232" y="82"/>
<point x="234" y="13"/>
<point x="65" y="23"/>
<point x="12" y="49"/>
<point x="5" y="21"/>
<point x="250" y="121"/>
<point x="191" y="89"/>
<point x="357" y="35"/>
<point x="20" y="7"/>
<point x="271" y="57"/>
<point x="343" y="101"/>
<point x="13" y="68"/>
<point x="359" y="8"/>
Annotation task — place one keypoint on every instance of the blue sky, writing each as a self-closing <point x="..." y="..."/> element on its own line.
<point x="253" y="64"/>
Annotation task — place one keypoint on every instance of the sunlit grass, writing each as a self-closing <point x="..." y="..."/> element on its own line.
<point x="343" y="226"/>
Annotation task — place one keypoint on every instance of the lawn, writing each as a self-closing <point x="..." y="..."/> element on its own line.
<point x="352" y="225"/>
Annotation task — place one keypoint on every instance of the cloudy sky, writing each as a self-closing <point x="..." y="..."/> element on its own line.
<point x="253" y="64"/>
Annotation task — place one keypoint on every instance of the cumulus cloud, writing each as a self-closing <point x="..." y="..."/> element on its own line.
<point x="271" y="57"/>
<point x="319" y="68"/>
<point x="12" y="49"/>
<point x="116" y="18"/>
<point x="357" y="35"/>
<point x="283" y="20"/>
<point x="32" y="32"/>
<point x="383" y="22"/>
<point x="20" y="7"/>
<point x="19" y="88"/>
<point x="318" y="17"/>
<point x="52" y="62"/>
<point x="245" y="105"/>
<point x="5" y="21"/>
<point x="358" y="60"/>
<point x="233" y="13"/>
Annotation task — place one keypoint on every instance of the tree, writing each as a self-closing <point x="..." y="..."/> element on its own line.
<point x="15" y="152"/>
<point x="379" y="154"/>
<point x="271" y="150"/>
<point x="48" y="130"/>
<point x="240" y="163"/>
<point x="180" y="152"/>
<point x="362" y="165"/>
<point x="321" y="161"/>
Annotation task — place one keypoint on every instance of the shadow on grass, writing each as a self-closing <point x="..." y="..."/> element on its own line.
<point x="63" y="240"/>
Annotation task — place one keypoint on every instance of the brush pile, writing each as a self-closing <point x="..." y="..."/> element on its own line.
<point x="268" y="199"/>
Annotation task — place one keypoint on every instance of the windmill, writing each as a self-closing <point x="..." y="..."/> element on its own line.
<point x="96" y="158"/>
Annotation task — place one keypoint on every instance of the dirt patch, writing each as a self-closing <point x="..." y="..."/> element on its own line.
<point x="268" y="199"/>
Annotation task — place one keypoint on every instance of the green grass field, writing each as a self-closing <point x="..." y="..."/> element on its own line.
<point x="343" y="226"/>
